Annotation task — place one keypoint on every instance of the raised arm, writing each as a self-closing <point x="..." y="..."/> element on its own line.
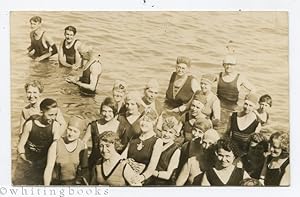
<point x="57" y="130"/>
<point x="51" y="158"/>
<point x="243" y="81"/>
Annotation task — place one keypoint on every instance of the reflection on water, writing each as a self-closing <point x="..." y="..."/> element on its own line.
<point x="137" y="46"/>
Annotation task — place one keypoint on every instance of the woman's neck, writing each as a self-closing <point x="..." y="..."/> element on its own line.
<point x="147" y="135"/>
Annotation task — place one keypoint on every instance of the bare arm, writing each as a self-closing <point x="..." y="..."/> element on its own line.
<point x="50" y="163"/>
<point x="172" y="166"/>
<point x="87" y="135"/>
<point x="57" y="130"/>
<point x="184" y="175"/>
<point x="216" y="108"/>
<point x="96" y="69"/>
<point x="195" y="85"/>
<point x="228" y="128"/>
<point x="61" y="120"/>
<point x="22" y="121"/>
<point x="285" y="180"/>
<point x="258" y="128"/>
<point x="205" y="182"/>
<point x="24" y="137"/>
<point x="78" y="59"/>
<point x="245" y="83"/>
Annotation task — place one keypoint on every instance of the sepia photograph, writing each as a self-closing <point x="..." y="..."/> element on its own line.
<point x="150" y="98"/>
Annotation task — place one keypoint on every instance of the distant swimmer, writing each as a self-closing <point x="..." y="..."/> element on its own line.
<point x="182" y="86"/>
<point x="42" y="46"/>
<point x="68" y="54"/>
<point x="91" y="71"/>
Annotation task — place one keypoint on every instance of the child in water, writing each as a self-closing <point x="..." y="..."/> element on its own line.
<point x="262" y="113"/>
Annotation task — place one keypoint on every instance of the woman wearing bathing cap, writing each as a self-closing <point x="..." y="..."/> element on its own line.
<point x="230" y="83"/>
<point x="182" y="85"/>
<point x="149" y="99"/>
<point x="130" y="121"/>
<point x="242" y="124"/>
<point x="66" y="156"/>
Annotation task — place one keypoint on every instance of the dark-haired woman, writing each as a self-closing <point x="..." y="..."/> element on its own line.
<point x="225" y="173"/>
<point x="107" y="122"/>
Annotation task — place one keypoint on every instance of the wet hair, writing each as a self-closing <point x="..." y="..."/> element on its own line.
<point x="203" y="124"/>
<point x="226" y="144"/>
<point x="110" y="102"/>
<point x="283" y="137"/>
<point x="266" y="98"/>
<point x="47" y="104"/>
<point x="184" y="60"/>
<point x="34" y="83"/>
<point x="111" y="137"/>
<point x="260" y="139"/>
<point x="71" y="28"/>
<point x="36" y="19"/>
<point x="250" y="182"/>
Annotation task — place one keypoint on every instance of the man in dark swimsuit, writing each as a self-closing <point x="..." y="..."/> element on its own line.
<point x="68" y="54"/>
<point x="42" y="45"/>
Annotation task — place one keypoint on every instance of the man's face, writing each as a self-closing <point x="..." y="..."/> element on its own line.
<point x="50" y="115"/>
<point x="229" y="67"/>
<point x="69" y="36"/>
<point x="34" y="25"/>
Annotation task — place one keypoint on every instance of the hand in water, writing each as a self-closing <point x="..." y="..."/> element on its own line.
<point x="24" y="158"/>
<point x="71" y="80"/>
<point x="74" y="67"/>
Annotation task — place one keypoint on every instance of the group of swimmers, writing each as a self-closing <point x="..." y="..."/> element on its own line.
<point x="138" y="140"/>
